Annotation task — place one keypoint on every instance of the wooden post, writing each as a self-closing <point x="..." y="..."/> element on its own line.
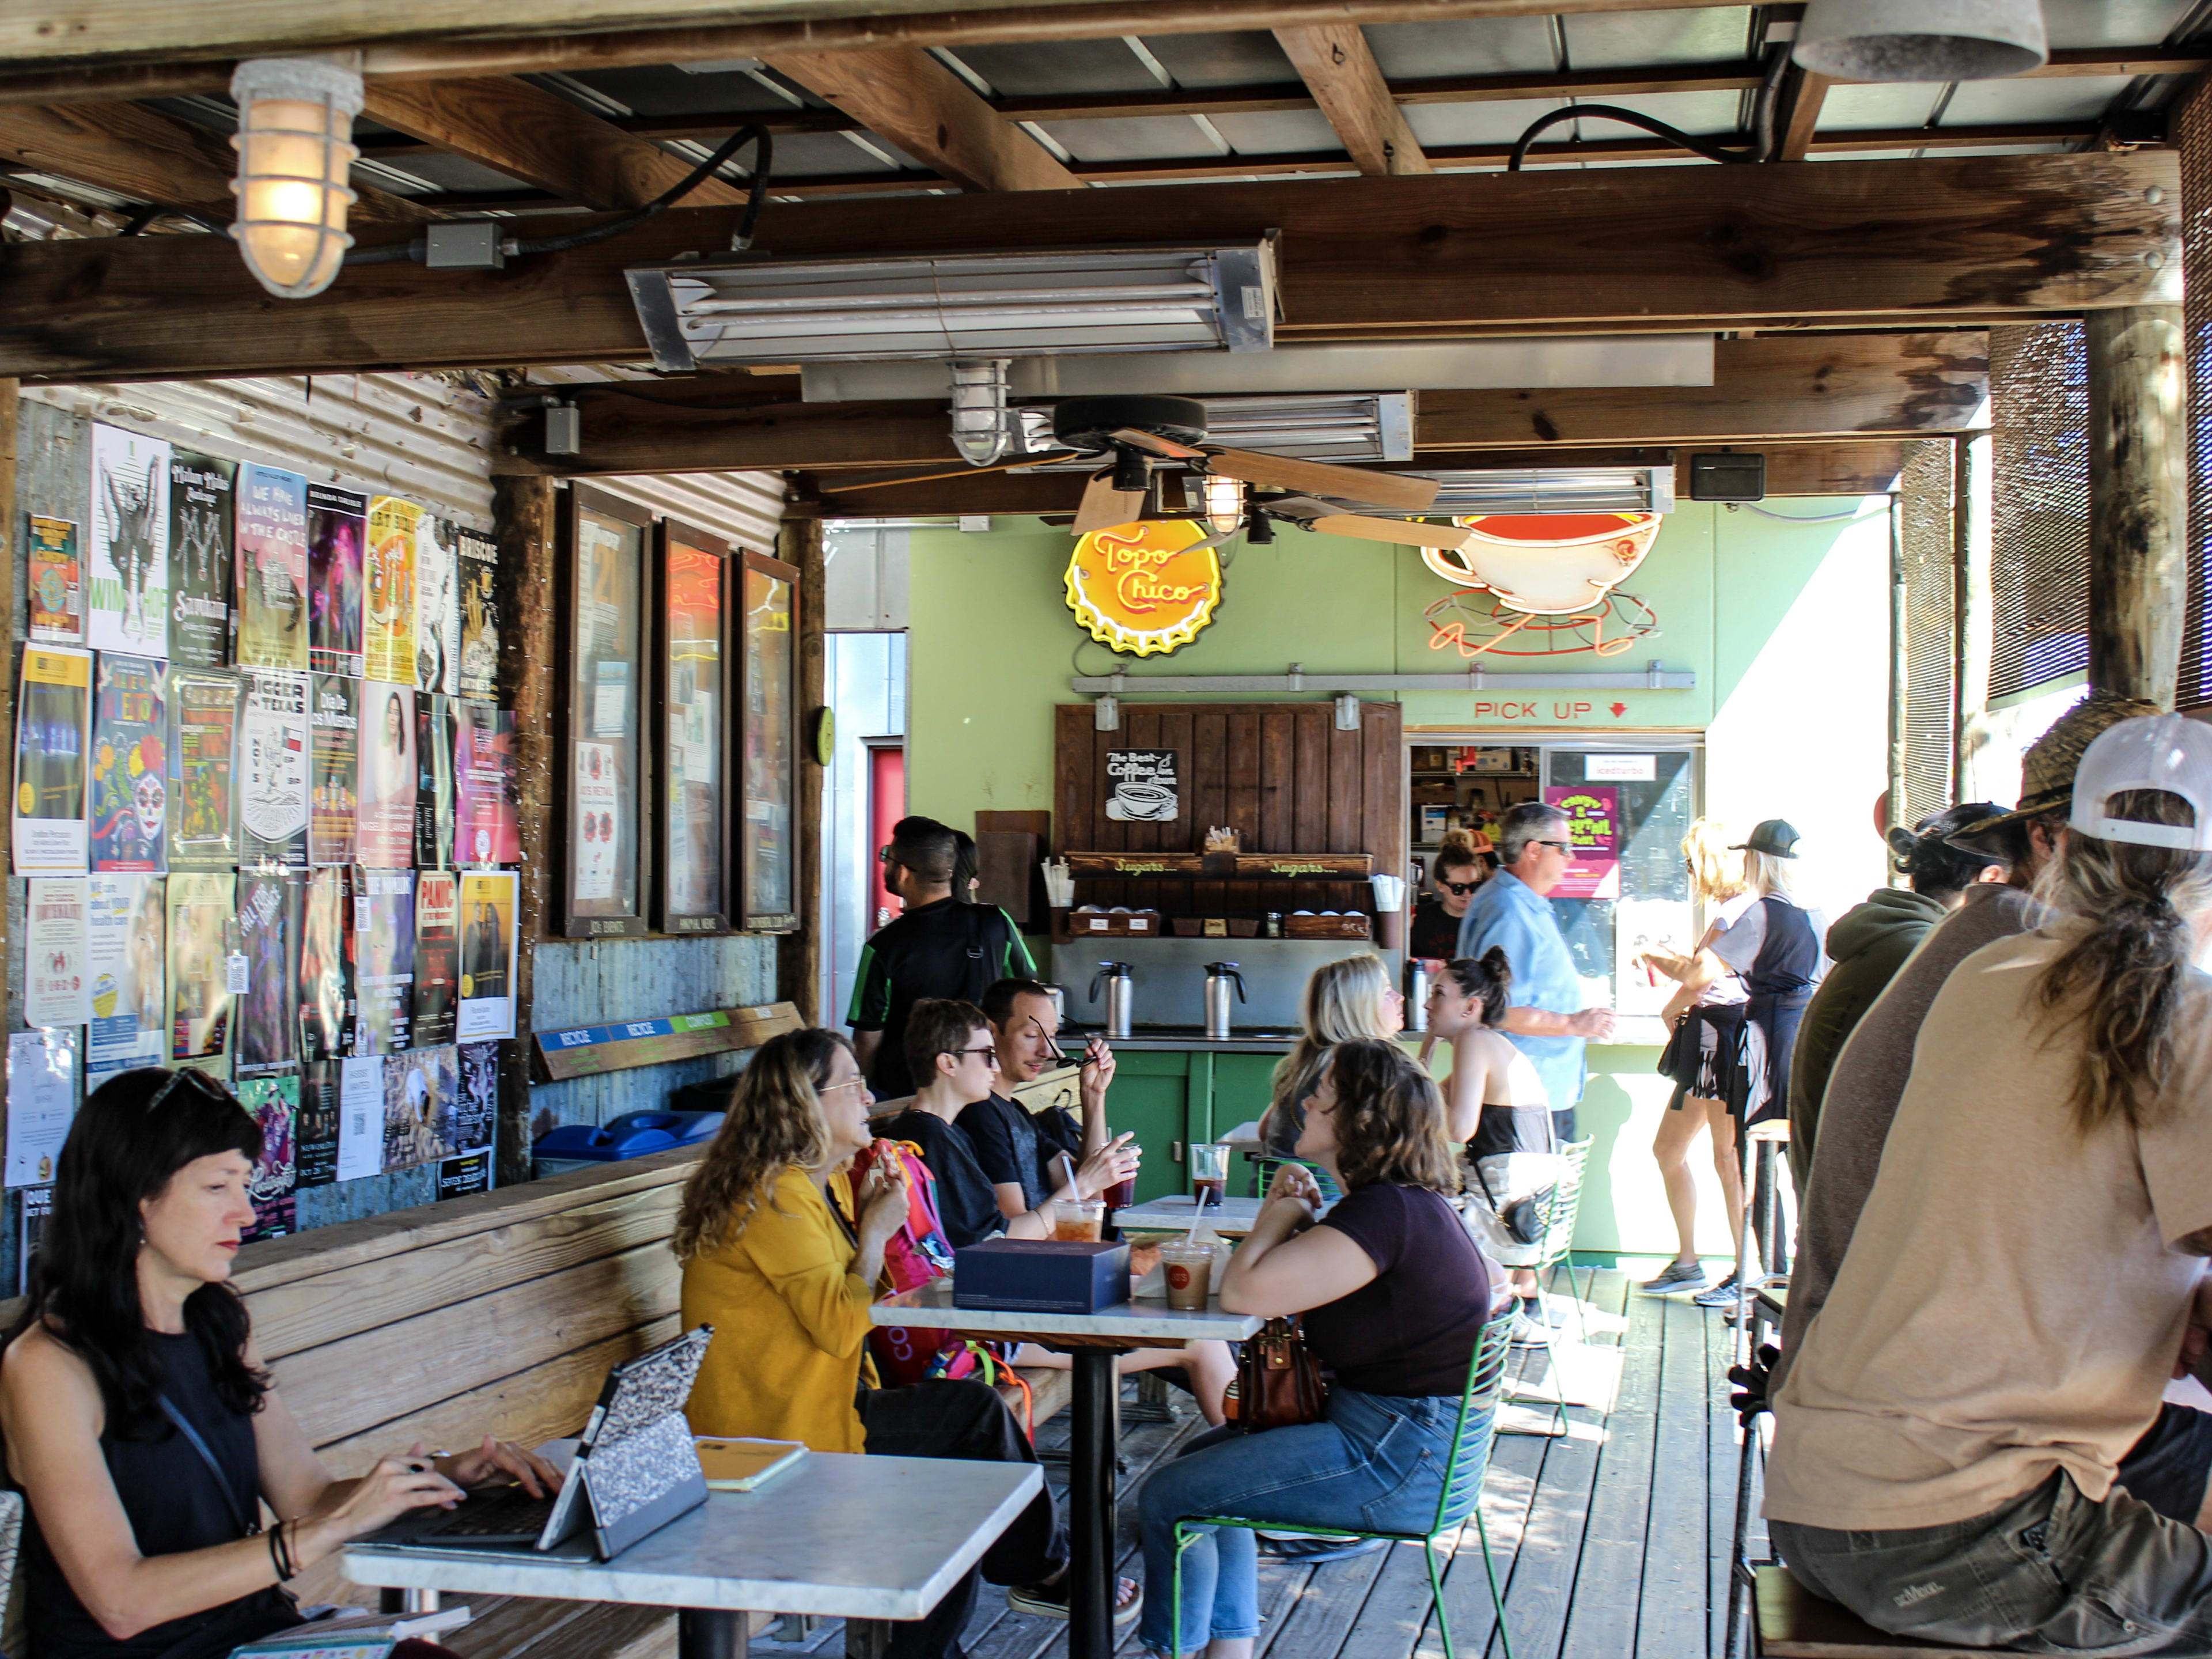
<point x="2138" y="500"/>
<point x="11" y="519"/>
<point x="524" y="508"/>
<point x="799" y="954"/>
<point x="1974" y="638"/>
<point x="1901" y="809"/>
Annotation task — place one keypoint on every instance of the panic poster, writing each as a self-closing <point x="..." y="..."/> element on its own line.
<point x="275" y="1104"/>
<point x="387" y="779"/>
<point x="435" y="745"/>
<point x="478" y="559"/>
<point x="128" y="556"/>
<point x="269" y="906"/>
<point x="200" y="907"/>
<point x="203" y="761"/>
<point x="203" y="560"/>
<point x="125" y="954"/>
<point x="337" y="532"/>
<point x="1593" y="830"/>
<point x="437" y="605"/>
<point x="384" y="961"/>
<point x="332" y="829"/>
<point x="272" y="771"/>
<point x="53" y="721"/>
<point x="326" y="993"/>
<point x="388" y="625"/>
<point x="57" y="580"/>
<point x="130" y="765"/>
<point x="437" y="958"/>
<point x="272" y="569"/>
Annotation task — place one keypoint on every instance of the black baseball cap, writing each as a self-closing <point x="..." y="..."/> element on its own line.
<point x="1776" y="838"/>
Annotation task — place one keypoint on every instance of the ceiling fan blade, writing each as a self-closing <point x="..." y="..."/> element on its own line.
<point x="1104" y="507"/>
<point x="1400" y="530"/>
<point x="1152" y="443"/>
<point x="1391" y="490"/>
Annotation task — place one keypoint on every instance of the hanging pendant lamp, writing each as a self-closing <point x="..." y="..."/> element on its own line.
<point x="1921" y="39"/>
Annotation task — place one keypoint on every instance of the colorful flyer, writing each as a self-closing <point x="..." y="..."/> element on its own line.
<point x="597" y="831"/>
<point x="437" y="605"/>
<point x="337" y="532"/>
<point x="434" y="741"/>
<point x="53" y="721"/>
<point x="272" y="596"/>
<point x="129" y="765"/>
<point x="275" y="1104"/>
<point x="57" y="986"/>
<point x="272" y="770"/>
<point x="57" y="582"/>
<point x="437" y="958"/>
<point x="333" y="827"/>
<point x="360" y="1118"/>
<point x="384" y="961"/>
<point x="477" y="557"/>
<point x="419" y="1087"/>
<point x="202" y="558"/>
<point x="486" y="825"/>
<point x="42" y="1093"/>
<point x="200" y="911"/>
<point x="129" y="555"/>
<point x="315" y="1131"/>
<point x="202" y="759"/>
<point x="126" y="960"/>
<point x="486" y="929"/>
<point x="326" y="993"/>
<point x="387" y="777"/>
<point x="270" y="903"/>
<point x="472" y="1125"/>
<point x="1593" y="830"/>
<point x="388" y="595"/>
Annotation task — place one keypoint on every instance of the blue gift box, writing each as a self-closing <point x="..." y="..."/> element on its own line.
<point x="1040" y="1275"/>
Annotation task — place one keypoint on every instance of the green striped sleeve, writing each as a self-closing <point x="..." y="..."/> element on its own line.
<point x="871" y="994"/>
<point x="1019" y="964"/>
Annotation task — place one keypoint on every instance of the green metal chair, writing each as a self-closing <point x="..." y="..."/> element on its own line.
<point x="1263" y="1176"/>
<point x="1462" y="1496"/>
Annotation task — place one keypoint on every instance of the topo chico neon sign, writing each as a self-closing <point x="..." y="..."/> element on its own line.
<point x="1143" y="588"/>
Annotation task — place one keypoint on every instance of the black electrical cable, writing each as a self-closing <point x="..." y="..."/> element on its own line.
<point x="153" y="211"/>
<point x="1762" y="145"/>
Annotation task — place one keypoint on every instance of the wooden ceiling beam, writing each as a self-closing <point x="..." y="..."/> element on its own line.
<point x="1803" y="92"/>
<point x="1535" y="253"/>
<point x="538" y="137"/>
<point x="1339" y="70"/>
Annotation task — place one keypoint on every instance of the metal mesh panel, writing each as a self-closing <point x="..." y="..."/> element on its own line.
<point x="2193" y="133"/>
<point x="2040" y="514"/>
<point x="1924" y="489"/>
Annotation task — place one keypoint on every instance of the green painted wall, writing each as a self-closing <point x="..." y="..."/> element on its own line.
<point x="1785" y="626"/>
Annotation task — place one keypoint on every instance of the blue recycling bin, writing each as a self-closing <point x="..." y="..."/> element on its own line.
<point x="634" y="1134"/>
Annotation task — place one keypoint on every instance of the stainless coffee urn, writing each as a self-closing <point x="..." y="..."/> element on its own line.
<point x="1120" y="995"/>
<point x="1417" y="995"/>
<point x="1219" y="976"/>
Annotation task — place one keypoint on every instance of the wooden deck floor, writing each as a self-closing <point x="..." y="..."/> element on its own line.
<point x="1612" y="1540"/>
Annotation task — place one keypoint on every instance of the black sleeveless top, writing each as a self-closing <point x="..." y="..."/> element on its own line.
<point x="173" y="1504"/>
<point x="1789" y="956"/>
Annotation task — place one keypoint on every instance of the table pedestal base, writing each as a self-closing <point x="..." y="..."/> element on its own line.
<point x="1090" y="1503"/>
<point x="708" y="1633"/>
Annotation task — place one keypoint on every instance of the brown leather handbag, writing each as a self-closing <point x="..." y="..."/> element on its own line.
<point x="1278" y="1381"/>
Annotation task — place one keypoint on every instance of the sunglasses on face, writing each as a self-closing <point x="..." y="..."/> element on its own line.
<point x="1460" y="889"/>
<point x="965" y="1052"/>
<point x="1565" y="846"/>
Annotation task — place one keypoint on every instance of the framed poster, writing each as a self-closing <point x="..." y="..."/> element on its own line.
<point x="768" y="876"/>
<point x="598" y="732"/>
<point x="694" y="673"/>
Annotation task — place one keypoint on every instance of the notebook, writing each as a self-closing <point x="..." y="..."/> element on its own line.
<point x="742" y="1464"/>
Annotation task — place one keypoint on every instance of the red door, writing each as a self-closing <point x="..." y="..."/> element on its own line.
<point x="886" y="806"/>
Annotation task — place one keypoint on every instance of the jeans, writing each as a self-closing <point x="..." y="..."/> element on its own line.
<point x="1376" y="1463"/>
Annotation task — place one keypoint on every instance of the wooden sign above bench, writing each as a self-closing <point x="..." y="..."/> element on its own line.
<point x="586" y="1050"/>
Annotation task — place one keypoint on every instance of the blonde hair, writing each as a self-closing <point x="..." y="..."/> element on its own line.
<point x="1343" y="1003"/>
<point x="1764" y="873"/>
<point x="775" y="1123"/>
<point x="1715" y="878"/>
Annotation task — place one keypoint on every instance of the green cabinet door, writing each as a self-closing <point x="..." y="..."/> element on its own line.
<point x="1150" y="1098"/>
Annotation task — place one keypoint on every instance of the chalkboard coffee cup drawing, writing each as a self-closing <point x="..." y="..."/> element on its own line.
<point x="1142" y="803"/>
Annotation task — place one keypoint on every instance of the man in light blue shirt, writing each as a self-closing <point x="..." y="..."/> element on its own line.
<point x="1546" y="1019"/>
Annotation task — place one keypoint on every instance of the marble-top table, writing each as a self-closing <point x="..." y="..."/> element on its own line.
<point x="811" y="1540"/>
<point x="1232" y="1218"/>
<point x="1095" y="1342"/>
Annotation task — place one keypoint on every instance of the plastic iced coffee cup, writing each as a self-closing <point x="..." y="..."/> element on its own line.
<point x="1079" y="1221"/>
<point x="1189" y="1270"/>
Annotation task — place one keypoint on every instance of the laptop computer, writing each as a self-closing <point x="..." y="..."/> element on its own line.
<point x="636" y="1469"/>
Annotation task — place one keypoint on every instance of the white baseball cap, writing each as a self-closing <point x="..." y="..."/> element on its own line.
<point x="2169" y="752"/>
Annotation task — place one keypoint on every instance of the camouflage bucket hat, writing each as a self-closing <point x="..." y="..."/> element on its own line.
<point x="2046" y="771"/>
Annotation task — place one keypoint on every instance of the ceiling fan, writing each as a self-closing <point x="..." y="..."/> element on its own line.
<point x="1132" y="433"/>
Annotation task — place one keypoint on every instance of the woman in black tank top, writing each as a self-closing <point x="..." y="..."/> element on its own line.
<point x="137" y="1420"/>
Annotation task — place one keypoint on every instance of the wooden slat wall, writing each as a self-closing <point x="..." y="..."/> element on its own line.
<point x="1280" y="774"/>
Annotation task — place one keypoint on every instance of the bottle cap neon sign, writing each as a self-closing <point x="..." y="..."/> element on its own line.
<point x="1145" y="587"/>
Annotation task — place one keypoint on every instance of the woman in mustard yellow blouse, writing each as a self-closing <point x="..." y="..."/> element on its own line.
<point x="773" y="1263"/>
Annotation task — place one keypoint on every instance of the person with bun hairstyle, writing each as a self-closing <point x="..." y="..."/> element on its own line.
<point x="140" y="1426"/>
<point x="1461" y="864"/>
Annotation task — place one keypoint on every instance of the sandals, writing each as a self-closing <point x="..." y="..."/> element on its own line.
<point x="1050" y="1600"/>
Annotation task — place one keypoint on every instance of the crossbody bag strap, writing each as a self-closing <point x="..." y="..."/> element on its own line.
<point x="247" y="1525"/>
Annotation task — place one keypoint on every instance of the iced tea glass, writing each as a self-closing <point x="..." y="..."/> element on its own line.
<point x="1079" y="1221"/>
<point x="1209" y="1171"/>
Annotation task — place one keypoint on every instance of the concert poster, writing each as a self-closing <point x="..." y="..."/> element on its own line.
<point x="202" y="769"/>
<point x="473" y="1125"/>
<point x="387" y="777"/>
<point x="486" y="923"/>
<point x="128" y="557"/>
<point x="53" y="719"/>
<point x="326" y="955"/>
<point x="57" y="983"/>
<point x="388" y="592"/>
<point x="434" y="716"/>
<point x="437" y="958"/>
<point x="437" y="605"/>
<point x="129" y="765"/>
<point x="272" y="771"/>
<point x="275" y="1104"/>
<point x="271" y="594"/>
<point x="337" y="531"/>
<point x="200" y="909"/>
<point x="271" y="915"/>
<point x="315" y="1131"/>
<point x="125" y="957"/>
<point x="384" y="961"/>
<point x="203" y="560"/>
<point x="486" y="826"/>
<point x="57" y="582"/>
<point x="333" y="826"/>
<point x="419" y="1090"/>
<point x="477" y="557"/>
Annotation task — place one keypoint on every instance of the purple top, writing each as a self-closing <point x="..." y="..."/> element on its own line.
<point x="1412" y="1329"/>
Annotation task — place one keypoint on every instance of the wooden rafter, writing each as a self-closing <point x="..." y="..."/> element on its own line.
<point x="1803" y="92"/>
<point x="1338" y="68"/>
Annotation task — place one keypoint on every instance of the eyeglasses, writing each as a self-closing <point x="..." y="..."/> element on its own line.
<point x="965" y="1052"/>
<point x="1459" y="888"/>
<point x="1565" y="846"/>
<point x="849" y="1083"/>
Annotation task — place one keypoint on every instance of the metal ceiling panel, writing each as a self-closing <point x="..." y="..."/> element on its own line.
<point x="1470" y="45"/>
<point x="1292" y="132"/>
<point x="449" y="173"/>
<point x="1630" y="38"/>
<point x="1893" y="105"/>
<point x="1143" y="138"/>
<point x="663" y="89"/>
<point x="1054" y="68"/>
<point x="1703" y="114"/>
<point x="1438" y="125"/>
<point x="803" y="155"/>
<point x="2111" y="22"/>
<point x="1977" y="103"/>
<point x="1249" y="58"/>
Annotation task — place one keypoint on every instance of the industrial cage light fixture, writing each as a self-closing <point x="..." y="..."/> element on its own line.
<point x="295" y="143"/>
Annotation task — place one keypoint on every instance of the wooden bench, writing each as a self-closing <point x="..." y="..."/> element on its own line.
<point x="1790" y="1622"/>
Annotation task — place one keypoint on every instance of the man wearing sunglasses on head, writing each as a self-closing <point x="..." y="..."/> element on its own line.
<point x="1461" y="864"/>
<point x="1512" y="911"/>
